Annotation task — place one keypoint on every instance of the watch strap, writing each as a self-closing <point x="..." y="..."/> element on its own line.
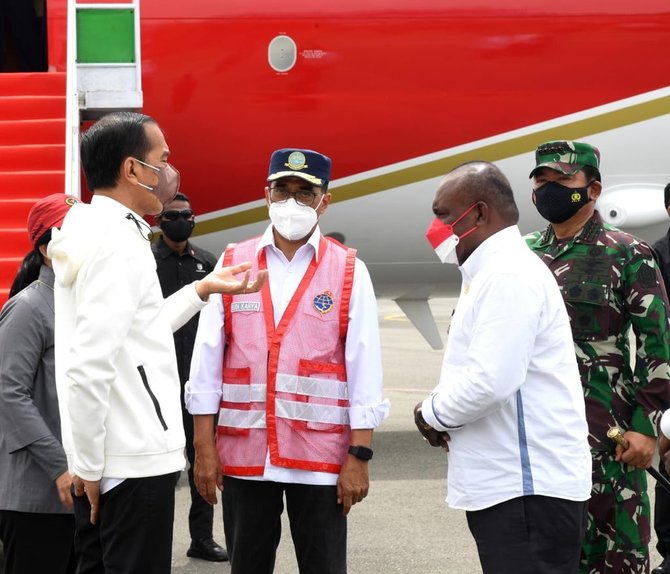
<point x="361" y="452"/>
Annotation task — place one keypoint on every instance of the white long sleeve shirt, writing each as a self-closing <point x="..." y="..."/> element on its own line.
<point x="362" y="351"/>
<point x="509" y="394"/>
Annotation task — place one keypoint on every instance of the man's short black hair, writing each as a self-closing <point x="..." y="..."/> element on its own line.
<point x="591" y="173"/>
<point x="106" y="144"/>
<point x="181" y="197"/>
<point x="489" y="184"/>
<point x="666" y="196"/>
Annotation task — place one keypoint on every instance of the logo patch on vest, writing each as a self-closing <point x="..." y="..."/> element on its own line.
<point x="245" y="306"/>
<point x="323" y="302"/>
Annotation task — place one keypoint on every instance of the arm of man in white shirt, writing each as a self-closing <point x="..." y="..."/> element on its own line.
<point x="365" y="385"/>
<point x="502" y="331"/>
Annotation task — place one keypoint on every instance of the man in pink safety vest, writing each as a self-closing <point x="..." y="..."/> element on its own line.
<point x="294" y="374"/>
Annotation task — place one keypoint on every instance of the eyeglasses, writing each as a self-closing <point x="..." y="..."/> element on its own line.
<point x="174" y="215"/>
<point x="303" y="196"/>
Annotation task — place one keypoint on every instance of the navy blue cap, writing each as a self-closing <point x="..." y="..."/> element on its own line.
<point x="305" y="163"/>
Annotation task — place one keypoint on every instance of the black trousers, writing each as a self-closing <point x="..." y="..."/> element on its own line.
<point x="35" y="542"/>
<point x="252" y="522"/>
<point x="201" y="513"/>
<point x="133" y="534"/>
<point x="529" y="535"/>
<point x="662" y="516"/>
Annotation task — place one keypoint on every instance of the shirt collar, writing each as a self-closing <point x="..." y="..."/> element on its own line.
<point x="114" y="206"/>
<point x="163" y="250"/>
<point x="47" y="275"/>
<point x="586" y="234"/>
<point x="499" y="241"/>
<point x="268" y="240"/>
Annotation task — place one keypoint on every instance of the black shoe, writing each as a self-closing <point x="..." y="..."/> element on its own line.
<point x="207" y="550"/>
<point x="664" y="568"/>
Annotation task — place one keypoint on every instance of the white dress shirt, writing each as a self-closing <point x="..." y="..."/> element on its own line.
<point x="509" y="394"/>
<point x="362" y="351"/>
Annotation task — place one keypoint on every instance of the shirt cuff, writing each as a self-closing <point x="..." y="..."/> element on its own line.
<point x="202" y="403"/>
<point x="194" y="299"/>
<point x="431" y="417"/>
<point x="366" y="417"/>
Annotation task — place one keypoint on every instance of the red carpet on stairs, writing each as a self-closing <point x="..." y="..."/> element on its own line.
<point x="32" y="158"/>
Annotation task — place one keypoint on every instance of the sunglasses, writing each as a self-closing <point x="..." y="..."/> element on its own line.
<point x="174" y="215"/>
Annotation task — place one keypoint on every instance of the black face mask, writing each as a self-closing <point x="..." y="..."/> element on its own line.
<point x="178" y="230"/>
<point x="558" y="203"/>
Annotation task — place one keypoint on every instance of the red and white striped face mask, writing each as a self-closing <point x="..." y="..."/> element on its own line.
<point x="443" y="240"/>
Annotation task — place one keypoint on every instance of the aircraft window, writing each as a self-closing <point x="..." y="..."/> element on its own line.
<point x="282" y="53"/>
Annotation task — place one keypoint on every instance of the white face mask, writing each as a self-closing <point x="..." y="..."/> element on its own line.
<point x="291" y="220"/>
<point x="446" y="251"/>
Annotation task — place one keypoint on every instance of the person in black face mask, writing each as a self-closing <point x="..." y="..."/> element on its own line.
<point x="611" y="285"/>
<point x="178" y="263"/>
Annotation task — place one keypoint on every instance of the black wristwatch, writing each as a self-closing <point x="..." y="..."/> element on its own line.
<point x="362" y="452"/>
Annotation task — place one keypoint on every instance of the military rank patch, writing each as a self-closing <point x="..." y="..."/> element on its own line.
<point x="323" y="302"/>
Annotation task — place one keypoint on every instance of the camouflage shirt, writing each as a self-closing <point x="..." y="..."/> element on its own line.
<point x="610" y="282"/>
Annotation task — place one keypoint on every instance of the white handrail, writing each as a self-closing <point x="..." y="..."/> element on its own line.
<point x="72" y="118"/>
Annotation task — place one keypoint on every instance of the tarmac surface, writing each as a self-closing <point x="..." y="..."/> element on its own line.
<point x="403" y="525"/>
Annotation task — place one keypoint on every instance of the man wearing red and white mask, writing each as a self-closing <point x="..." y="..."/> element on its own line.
<point x="508" y="407"/>
<point x="294" y="372"/>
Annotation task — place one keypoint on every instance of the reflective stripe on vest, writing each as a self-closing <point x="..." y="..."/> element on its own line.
<point x="293" y="410"/>
<point x="311" y="412"/>
<point x="243" y="393"/>
<point x="243" y="419"/>
<point x="312" y="387"/>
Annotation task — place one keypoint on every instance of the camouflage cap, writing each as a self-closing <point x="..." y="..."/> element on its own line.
<point x="566" y="156"/>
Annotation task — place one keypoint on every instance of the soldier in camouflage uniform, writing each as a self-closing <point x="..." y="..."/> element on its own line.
<point x="610" y="283"/>
<point x="661" y="248"/>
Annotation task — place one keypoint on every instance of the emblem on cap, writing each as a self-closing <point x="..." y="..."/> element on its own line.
<point x="296" y="160"/>
<point x="323" y="302"/>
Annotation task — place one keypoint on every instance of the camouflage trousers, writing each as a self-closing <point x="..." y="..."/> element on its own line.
<point x="619" y="524"/>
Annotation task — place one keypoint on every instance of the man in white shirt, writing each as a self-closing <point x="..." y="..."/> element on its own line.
<point x="294" y="373"/>
<point x="116" y="370"/>
<point x="509" y="407"/>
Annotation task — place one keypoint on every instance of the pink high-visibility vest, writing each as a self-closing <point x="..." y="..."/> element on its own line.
<point x="285" y="388"/>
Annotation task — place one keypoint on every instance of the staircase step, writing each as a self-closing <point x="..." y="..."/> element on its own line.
<point x="8" y="268"/>
<point x="15" y="211"/>
<point x="24" y="132"/>
<point x="29" y="184"/>
<point x="32" y="107"/>
<point x="15" y="242"/>
<point x="35" y="83"/>
<point x="32" y="157"/>
<point x="27" y="157"/>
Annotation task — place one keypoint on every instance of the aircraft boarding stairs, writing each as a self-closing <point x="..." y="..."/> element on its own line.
<point x="32" y="158"/>
<point x="39" y="123"/>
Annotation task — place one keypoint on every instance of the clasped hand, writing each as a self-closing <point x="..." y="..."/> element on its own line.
<point x="433" y="436"/>
<point x="639" y="451"/>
